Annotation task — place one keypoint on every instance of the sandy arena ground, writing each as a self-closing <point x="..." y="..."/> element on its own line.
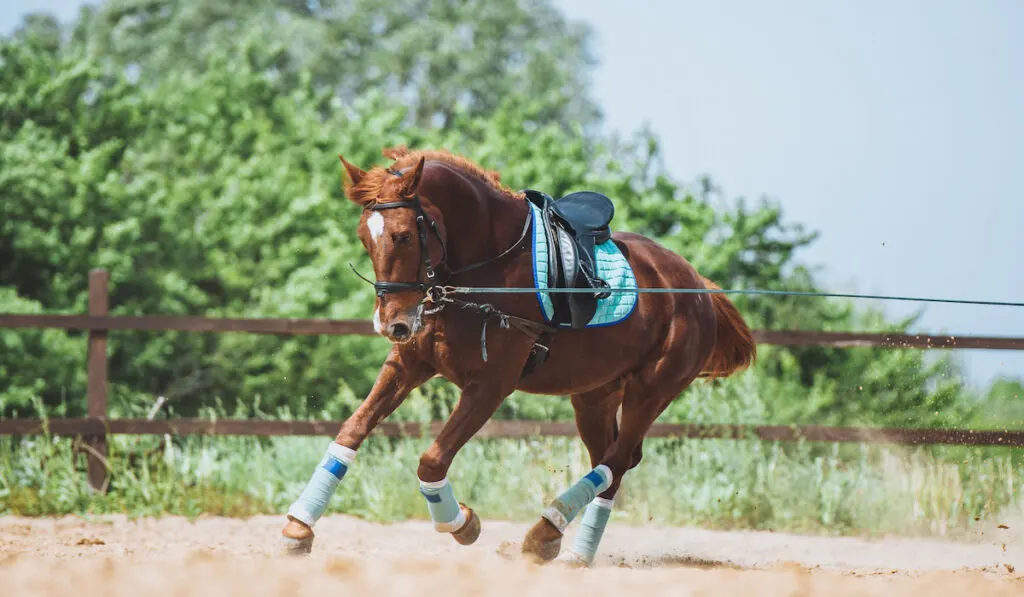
<point x="111" y="557"/>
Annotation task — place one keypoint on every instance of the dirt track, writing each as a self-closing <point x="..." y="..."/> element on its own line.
<point x="171" y="556"/>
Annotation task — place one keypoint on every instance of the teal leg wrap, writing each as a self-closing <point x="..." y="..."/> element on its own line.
<point x="592" y="525"/>
<point x="565" y="508"/>
<point x="444" y="509"/>
<point x="314" y="498"/>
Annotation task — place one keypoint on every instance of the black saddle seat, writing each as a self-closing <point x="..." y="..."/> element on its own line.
<point x="574" y="226"/>
<point x="587" y="213"/>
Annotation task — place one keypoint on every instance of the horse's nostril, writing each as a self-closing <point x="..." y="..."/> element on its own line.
<point x="398" y="331"/>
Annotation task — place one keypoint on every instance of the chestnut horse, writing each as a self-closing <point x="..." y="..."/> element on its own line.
<point x="435" y="218"/>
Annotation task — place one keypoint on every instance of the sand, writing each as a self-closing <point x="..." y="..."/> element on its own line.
<point x="113" y="556"/>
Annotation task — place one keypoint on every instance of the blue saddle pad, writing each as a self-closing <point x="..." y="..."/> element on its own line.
<point x="612" y="267"/>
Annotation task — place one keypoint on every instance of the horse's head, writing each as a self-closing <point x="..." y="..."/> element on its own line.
<point x="404" y="237"/>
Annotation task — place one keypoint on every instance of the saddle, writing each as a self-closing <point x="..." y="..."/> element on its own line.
<point x="574" y="225"/>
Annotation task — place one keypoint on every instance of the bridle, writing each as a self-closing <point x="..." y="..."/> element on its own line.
<point x="434" y="290"/>
<point x="422" y="222"/>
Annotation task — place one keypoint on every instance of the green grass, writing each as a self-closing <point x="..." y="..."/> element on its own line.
<point x="850" y="489"/>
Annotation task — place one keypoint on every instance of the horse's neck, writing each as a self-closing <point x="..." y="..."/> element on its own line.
<point x="483" y="231"/>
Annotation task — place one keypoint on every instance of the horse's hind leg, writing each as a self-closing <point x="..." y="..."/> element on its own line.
<point x="544" y="539"/>
<point x="646" y="395"/>
<point x="595" y="421"/>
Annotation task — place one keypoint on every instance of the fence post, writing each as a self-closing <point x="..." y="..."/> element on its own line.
<point x="96" y="369"/>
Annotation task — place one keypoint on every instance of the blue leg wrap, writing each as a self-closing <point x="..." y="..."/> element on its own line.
<point x="314" y="498"/>
<point x="444" y="510"/>
<point x="591" y="529"/>
<point x="566" y="506"/>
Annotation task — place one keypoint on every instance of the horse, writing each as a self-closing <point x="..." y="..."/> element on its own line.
<point x="433" y="219"/>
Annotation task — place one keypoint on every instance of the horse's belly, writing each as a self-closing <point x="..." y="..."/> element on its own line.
<point x="582" y="360"/>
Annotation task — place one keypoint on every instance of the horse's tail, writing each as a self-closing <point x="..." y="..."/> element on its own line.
<point x="735" y="348"/>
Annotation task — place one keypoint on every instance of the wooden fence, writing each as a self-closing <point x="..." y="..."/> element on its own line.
<point x="95" y="428"/>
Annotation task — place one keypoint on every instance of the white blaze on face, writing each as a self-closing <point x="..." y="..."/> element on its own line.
<point x="376" y="225"/>
<point x="377" y="326"/>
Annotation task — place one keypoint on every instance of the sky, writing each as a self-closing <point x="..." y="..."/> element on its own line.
<point x="895" y="130"/>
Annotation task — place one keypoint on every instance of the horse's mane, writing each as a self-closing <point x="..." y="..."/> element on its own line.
<point x="369" y="188"/>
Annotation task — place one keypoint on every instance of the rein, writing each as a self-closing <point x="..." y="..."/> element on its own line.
<point x="435" y="293"/>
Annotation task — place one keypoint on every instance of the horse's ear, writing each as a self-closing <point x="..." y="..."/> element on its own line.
<point x="355" y="175"/>
<point x="411" y="179"/>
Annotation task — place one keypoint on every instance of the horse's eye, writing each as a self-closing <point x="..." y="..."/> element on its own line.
<point x="401" y="238"/>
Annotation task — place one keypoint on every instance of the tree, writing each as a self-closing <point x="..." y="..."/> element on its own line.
<point x="434" y="56"/>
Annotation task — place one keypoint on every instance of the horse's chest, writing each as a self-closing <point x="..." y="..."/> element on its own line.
<point x="456" y="349"/>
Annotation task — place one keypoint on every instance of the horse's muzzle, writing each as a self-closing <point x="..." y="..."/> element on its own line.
<point x="402" y="327"/>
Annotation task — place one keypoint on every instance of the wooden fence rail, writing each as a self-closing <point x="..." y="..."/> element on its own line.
<point x="96" y="426"/>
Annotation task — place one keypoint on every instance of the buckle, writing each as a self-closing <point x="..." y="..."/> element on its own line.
<point x="436" y="294"/>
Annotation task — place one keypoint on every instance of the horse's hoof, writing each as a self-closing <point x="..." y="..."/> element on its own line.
<point x="296" y="538"/>
<point x="470" y="531"/>
<point x="543" y="542"/>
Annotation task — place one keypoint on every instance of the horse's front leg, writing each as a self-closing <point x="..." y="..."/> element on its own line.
<point x="477" y="403"/>
<point x="398" y="376"/>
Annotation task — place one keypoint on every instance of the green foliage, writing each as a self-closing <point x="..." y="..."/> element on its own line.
<point x="36" y="363"/>
<point x="709" y="483"/>
<point x="1003" y="406"/>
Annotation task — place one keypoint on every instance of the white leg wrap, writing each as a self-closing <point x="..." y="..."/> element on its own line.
<point x="444" y="510"/>
<point x="565" y="508"/>
<point x="312" y="503"/>
<point x="591" y="529"/>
